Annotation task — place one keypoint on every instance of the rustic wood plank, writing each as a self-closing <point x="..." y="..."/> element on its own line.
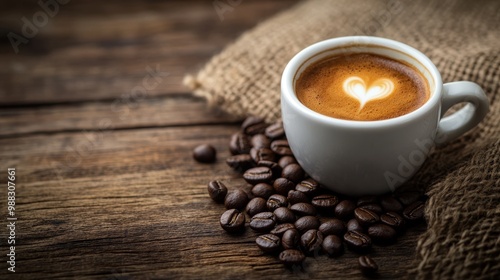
<point x="135" y="206"/>
<point x="121" y="113"/>
<point x="93" y="50"/>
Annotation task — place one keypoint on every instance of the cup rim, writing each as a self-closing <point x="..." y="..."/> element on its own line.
<point x="288" y="90"/>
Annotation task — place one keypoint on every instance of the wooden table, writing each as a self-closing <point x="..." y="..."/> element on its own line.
<point x="100" y="129"/>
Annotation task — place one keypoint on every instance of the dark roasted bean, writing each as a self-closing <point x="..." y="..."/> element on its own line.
<point x="275" y="130"/>
<point x="367" y="265"/>
<point x="240" y="162"/>
<point x="325" y="202"/>
<point x="256" y="205"/>
<point x="292" y="257"/>
<point x="276" y="201"/>
<point x="365" y="217"/>
<point x="290" y="239"/>
<point x="391" y="204"/>
<point x="263" y="222"/>
<point x="253" y="125"/>
<point x="259" y="154"/>
<point x="303" y="209"/>
<point x="374" y="207"/>
<point x="239" y="144"/>
<point x="204" y="153"/>
<point x="297" y="197"/>
<point x="332" y="245"/>
<point x="414" y="211"/>
<point x="284" y="215"/>
<point x="382" y="233"/>
<point x="281" y="228"/>
<point x="345" y="209"/>
<point x="283" y="186"/>
<point x="258" y="175"/>
<point x="311" y="241"/>
<point x="268" y="243"/>
<point x="217" y="191"/>
<point x="281" y="147"/>
<point x="367" y="199"/>
<point x="408" y="197"/>
<point x="354" y="225"/>
<point x="306" y="223"/>
<point x="260" y="141"/>
<point x="263" y="190"/>
<point x="233" y="221"/>
<point x="309" y="187"/>
<point x="293" y="172"/>
<point x="393" y="219"/>
<point x="236" y="199"/>
<point x="358" y="241"/>
<point x="333" y="226"/>
<point x="275" y="168"/>
<point x="286" y="160"/>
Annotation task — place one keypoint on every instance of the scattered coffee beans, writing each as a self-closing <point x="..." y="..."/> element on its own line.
<point x="204" y="153"/>
<point x="287" y="206"/>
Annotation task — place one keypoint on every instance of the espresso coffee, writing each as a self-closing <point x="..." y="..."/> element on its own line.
<point x="362" y="86"/>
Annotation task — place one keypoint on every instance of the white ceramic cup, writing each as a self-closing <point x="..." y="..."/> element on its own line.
<point x="374" y="157"/>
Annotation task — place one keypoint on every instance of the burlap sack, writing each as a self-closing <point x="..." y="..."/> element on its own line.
<point x="462" y="178"/>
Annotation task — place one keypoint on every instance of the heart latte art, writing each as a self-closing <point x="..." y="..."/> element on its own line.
<point x="356" y="87"/>
<point x="361" y="87"/>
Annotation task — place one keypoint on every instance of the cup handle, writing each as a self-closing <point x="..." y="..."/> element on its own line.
<point x="456" y="124"/>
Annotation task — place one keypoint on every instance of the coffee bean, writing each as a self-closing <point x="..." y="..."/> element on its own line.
<point x="382" y="233"/>
<point x="260" y="141"/>
<point x="414" y="211"/>
<point x="233" y="221"/>
<point x="239" y="144"/>
<point x="263" y="190"/>
<point x="358" y="241"/>
<point x="354" y="225"/>
<point x="263" y="222"/>
<point x="275" y="168"/>
<point x="365" y="217"/>
<point x="275" y="130"/>
<point x="260" y="154"/>
<point x="292" y="257"/>
<point x="293" y="172"/>
<point x="333" y="226"/>
<point x="367" y="265"/>
<point x="236" y="199"/>
<point x="283" y="186"/>
<point x="309" y="187"/>
<point x="303" y="209"/>
<point x="393" y="219"/>
<point x="240" y="163"/>
<point x="217" y="191"/>
<point x="284" y="215"/>
<point x="367" y="199"/>
<point x="297" y="197"/>
<point x="408" y="197"/>
<point x="204" y="153"/>
<point x="253" y="125"/>
<point x="268" y="243"/>
<point x="306" y="223"/>
<point x="276" y="201"/>
<point x="286" y="160"/>
<point x="325" y="201"/>
<point x="345" y="209"/>
<point x="280" y="229"/>
<point x="332" y="245"/>
<point x="257" y="175"/>
<point x="281" y="147"/>
<point x="290" y="239"/>
<point x="311" y="241"/>
<point x="374" y="207"/>
<point x="256" y="205"/>
<point x="391" y="204"/>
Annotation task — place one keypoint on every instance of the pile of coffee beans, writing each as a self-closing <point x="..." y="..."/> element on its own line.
<point x="295" y="216"/>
